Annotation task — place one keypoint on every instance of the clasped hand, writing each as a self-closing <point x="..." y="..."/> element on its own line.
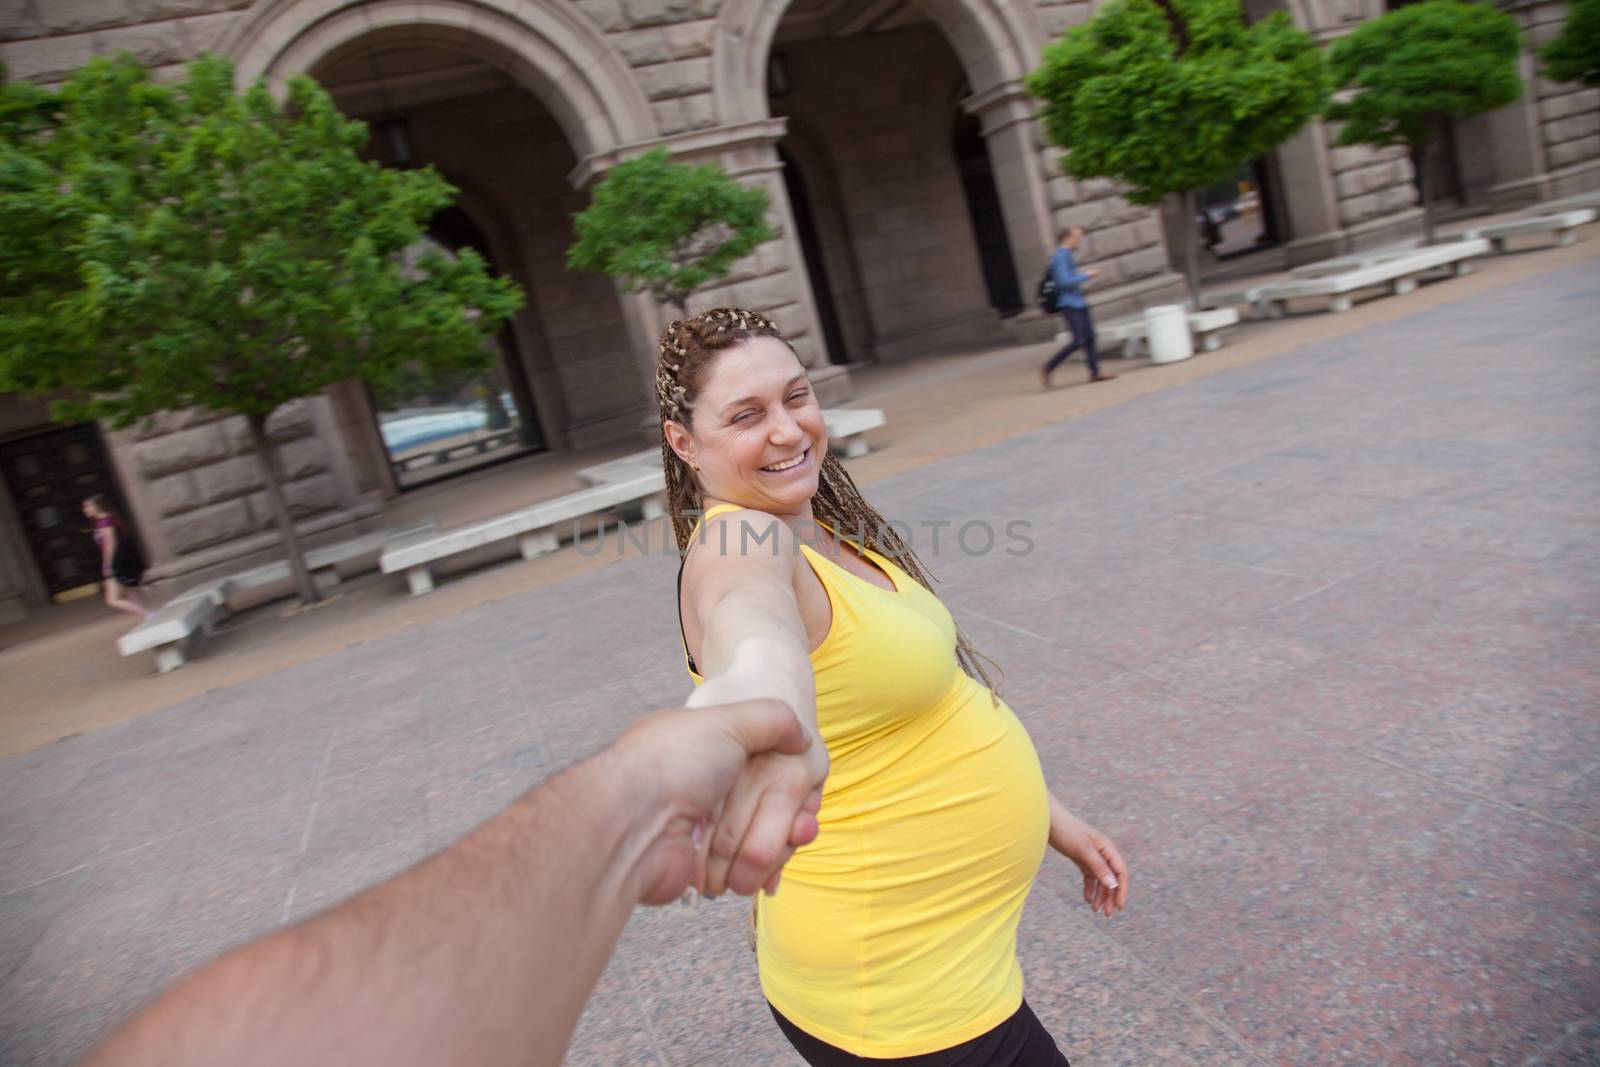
<point x="731" y="790"/>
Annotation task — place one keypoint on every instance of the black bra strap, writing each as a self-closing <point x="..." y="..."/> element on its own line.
<point x="682" y="633"/>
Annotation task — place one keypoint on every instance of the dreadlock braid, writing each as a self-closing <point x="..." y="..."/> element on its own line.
<point x="687" y="350"/>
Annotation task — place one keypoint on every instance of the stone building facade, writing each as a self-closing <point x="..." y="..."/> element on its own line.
<point x="915" y="198"/>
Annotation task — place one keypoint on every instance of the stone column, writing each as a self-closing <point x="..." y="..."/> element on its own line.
<point x="1006" y="112"/>
<point x="1308" y="196"/>
<point x="1502" y="151"/>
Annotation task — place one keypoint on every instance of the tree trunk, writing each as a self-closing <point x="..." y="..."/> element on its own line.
<point x="280" y="510"/>
<point x="1424" y="165"/>
<point x="1191" y="255"/>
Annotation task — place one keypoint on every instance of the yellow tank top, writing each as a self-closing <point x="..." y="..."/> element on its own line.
<point x="894" y="933"/>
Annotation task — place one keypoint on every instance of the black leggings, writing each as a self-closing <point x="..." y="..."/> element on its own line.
<point x="1020" y="1041"/>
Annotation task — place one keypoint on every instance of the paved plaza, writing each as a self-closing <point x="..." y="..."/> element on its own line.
<point x="1314" y="639"/>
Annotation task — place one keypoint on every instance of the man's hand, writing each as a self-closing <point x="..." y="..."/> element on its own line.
<point x="707" y="773"/>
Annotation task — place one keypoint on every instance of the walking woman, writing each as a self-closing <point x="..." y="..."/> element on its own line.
<point x="120" y="564"/>
<point x="893" y="938"/>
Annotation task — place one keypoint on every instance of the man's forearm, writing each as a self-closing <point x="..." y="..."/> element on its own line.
<point x="504" y="984"/>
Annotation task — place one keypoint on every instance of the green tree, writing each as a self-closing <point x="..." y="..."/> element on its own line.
<point x="1574" y="55"/>
<point x="1408" y="73"/>
<point x="1169" y="97"/>
<point x="189" y="245"/>
<point x="668" y="228"/>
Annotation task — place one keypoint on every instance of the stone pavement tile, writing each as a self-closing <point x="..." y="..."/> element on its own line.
<point x="39" y="775"/>
<point x="1138" y="615"/>
<point x="1340" y="620"/>
<point x="1349" y="700"/>
<point x="1511" y="531"/>
<point x="1517" y="752"/>
<point x="1199" y="753"/>
<point x="64" y="1038"/>
<point x="1574" y="803"/>
<point x="1580" y="1047"/>
<point x="377" y="726"/>
<point x="1311" y="859"/>
<point x="475" y="775"/>
<point x="1306" y="554"/>
<point x="1232" y="493"/>
<point x="613" y="1031"/>
<point x="1462" y="955"/>
<point x="1500" y="655"/>
<point x="1434" y="573"/>
<point x="1234" y="664"/>
<point x="233" y="882"/>
<point x="577" y="723"/>
<point x="1099" y="1003"/>
<point x="1039" y="674"/>
<point x="695" y="977"/>
<point x="154" y="794"/>
<point x="365" y="827"/>
<point x="103" y="942"/>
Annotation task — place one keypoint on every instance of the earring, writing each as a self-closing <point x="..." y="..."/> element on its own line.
<point x="695" y="467"/>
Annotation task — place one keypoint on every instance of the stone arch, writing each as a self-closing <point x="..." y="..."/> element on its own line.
<point x="995" y="41"/>
<point x="549" y="47"/>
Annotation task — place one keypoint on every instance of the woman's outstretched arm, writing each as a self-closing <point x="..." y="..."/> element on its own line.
<point x="754" y="645"/>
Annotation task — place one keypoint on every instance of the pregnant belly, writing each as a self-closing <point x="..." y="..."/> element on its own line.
<point x="921" y="868"/>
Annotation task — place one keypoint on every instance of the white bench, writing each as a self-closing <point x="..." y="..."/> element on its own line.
<point x="535" y="527"/>
<point x="630" y="466"/>
<point x="167" y="631"/>
<point x="1133" y="332"/>
<point x="1396" y="268"/>
<point x="323" y="563"/>
<point x="1567" y="203"/>
<point x="847" y="428"/>
<point x="1560" y="224"/>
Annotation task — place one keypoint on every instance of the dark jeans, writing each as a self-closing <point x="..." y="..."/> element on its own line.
<point x="1020" y="1041"/>
<point x="1082" y="327"/>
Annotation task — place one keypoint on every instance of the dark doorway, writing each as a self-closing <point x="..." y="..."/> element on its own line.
<point x="49" y="475"/>
<point x="1236" y="216"/>
<point x="988" y="220"/>
<point x="805" y="225"/>
<point x="437" y="428"/>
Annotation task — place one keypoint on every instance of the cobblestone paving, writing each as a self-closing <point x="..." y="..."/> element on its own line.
<point x="1314" y="639"/>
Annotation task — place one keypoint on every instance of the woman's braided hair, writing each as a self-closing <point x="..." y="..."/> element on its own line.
<point x="687" y="351"/>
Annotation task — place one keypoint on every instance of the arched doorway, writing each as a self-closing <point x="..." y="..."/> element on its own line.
<point x="916" y="114"/>
<point x="510" y="111"/>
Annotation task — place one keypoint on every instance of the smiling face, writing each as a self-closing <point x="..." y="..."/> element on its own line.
<point x="756" y="430"/>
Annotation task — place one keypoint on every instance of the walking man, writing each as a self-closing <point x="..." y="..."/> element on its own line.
<point x="1073" y="307"/>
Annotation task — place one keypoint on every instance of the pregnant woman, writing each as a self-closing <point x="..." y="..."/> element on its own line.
<point x="893" y="939"/>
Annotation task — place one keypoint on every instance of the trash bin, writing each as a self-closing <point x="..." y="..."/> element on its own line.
<point x="1167" y="326"/>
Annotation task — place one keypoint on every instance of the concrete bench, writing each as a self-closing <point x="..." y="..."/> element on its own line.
<point x="1560" y="224"/>
<point x="168" y="631"/>
<point x="848" y="427"/>
<point x="1132" y="332"/>
<point x="630" y="466"/>
<point x="1577" y="202"/>
<point x="323" y="563"/>
<point x="535" y="527"/>
<point x="1396" y="268"/>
